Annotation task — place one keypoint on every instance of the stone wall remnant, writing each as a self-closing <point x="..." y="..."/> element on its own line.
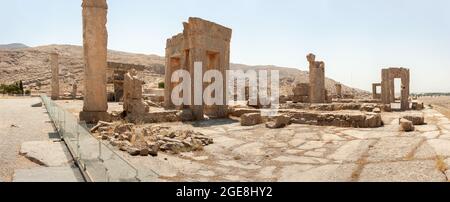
<point x="133" y="102"/>
<point x="301" y="93"/>
<point x="388" y="86"/>
<point x="375" y="94"/>
<point x="201" y="41"/>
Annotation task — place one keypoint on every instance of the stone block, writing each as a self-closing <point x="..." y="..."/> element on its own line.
<point x="251" y="119"/>
<point x="279" y="122"/>
<point x="415" y="119"/>
<point x="406" y="125"/>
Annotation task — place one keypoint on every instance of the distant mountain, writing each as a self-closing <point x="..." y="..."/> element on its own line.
<point x="12" y="46"/>
<point x="32" y="66"/>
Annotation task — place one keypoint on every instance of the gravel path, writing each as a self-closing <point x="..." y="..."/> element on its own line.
<point x="19" y="123"/>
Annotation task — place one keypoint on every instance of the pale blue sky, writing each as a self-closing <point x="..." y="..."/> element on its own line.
<point x="355" y="38"/>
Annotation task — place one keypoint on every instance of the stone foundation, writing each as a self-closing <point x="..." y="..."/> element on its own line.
<point x="94" y="117"/>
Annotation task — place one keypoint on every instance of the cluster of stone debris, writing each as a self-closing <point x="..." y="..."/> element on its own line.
<point x="408" y="122"/>
<point x="150" y="140"/>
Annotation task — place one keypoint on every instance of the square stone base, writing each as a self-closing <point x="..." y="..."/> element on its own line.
<point x="94" y="117"/>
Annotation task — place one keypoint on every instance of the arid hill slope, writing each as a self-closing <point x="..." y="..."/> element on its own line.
<point x="32" y="66"/>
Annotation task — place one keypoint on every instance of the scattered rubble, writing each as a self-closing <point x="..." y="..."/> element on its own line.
<point x="415" y="119"/>
<point x="150" y="140"/>
<point x="251" y="119"/>
<point x="279" y="122"/>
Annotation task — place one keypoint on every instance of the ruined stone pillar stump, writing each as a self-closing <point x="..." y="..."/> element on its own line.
<point x="55" y="75"/>
<point x="95" y="41"/>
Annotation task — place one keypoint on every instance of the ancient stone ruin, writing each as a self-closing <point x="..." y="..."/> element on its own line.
<point x="74" y="90"/>
<point x="133" y="102"/>
<point x="339" y="90"/>
<point x="375" y="94"/>
<point x="301" y="93"/>
<point x="201" y="41"/>
<point x="55" y="75"/>
<point x="388" y="86"/>
<point x="314" y="91"/>
<point x="317" y="93"/>
<point x="116" y="76"/>
<point x="95" y="42"/>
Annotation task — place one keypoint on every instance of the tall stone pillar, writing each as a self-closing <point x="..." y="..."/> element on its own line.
<point x="316" y="80"/>
<point x="385" y="87"/>
<point x="54" y="63"/>
<point x="339" y="90"/>
<point x="95" y="41"/>
<point x="74" y="90"/>
<point x="405" y="89"/>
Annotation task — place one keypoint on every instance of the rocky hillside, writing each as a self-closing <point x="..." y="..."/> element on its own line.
<point x="32" y="66"/>
<point x="13" y="46"/>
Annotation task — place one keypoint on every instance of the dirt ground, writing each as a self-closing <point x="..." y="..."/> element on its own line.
<point x="441" y="104"/>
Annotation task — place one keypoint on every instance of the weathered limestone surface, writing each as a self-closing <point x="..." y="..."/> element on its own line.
<point x="317" y="92"/>
<point x="48" y="174"/>
<point x="300" y="152"/>
<point x="55" y="76"/>
<point x="95" y="41"/>
<point x="402" y="171"/>
<point x="46" y="153"/>
<point x="201" y="41"/>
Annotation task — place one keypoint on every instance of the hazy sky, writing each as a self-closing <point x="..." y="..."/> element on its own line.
<point x="355" y="38"/>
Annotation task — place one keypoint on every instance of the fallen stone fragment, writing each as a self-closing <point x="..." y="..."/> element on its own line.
<point x="251" y="119"/>
<point x="279" y="122"/>
<point x="37" y="105"/>
<point x="133" y="151"/>
<point x="144" y="152"/>
<point x="415" y="119"/>
<point x="406" y="125"/>
<point x="100" y="124"/>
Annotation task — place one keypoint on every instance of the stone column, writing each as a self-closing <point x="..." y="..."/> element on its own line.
<point x="316" y="80"/>
<point x="385" y="87"/>
<point x="55" y="75"/>
<point x="374" y="91"/>
<point x="405" y="90"/>
<point x="95" y="41"/>
<point x="74" y="90"/>
<point x="339" y="90"/>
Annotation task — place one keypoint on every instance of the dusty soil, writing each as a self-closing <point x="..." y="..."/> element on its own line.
<point x="441" y="103"/>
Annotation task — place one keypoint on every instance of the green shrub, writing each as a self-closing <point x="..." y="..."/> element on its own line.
<point x="161" y="85"/>
<point x="11" y="89"/>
